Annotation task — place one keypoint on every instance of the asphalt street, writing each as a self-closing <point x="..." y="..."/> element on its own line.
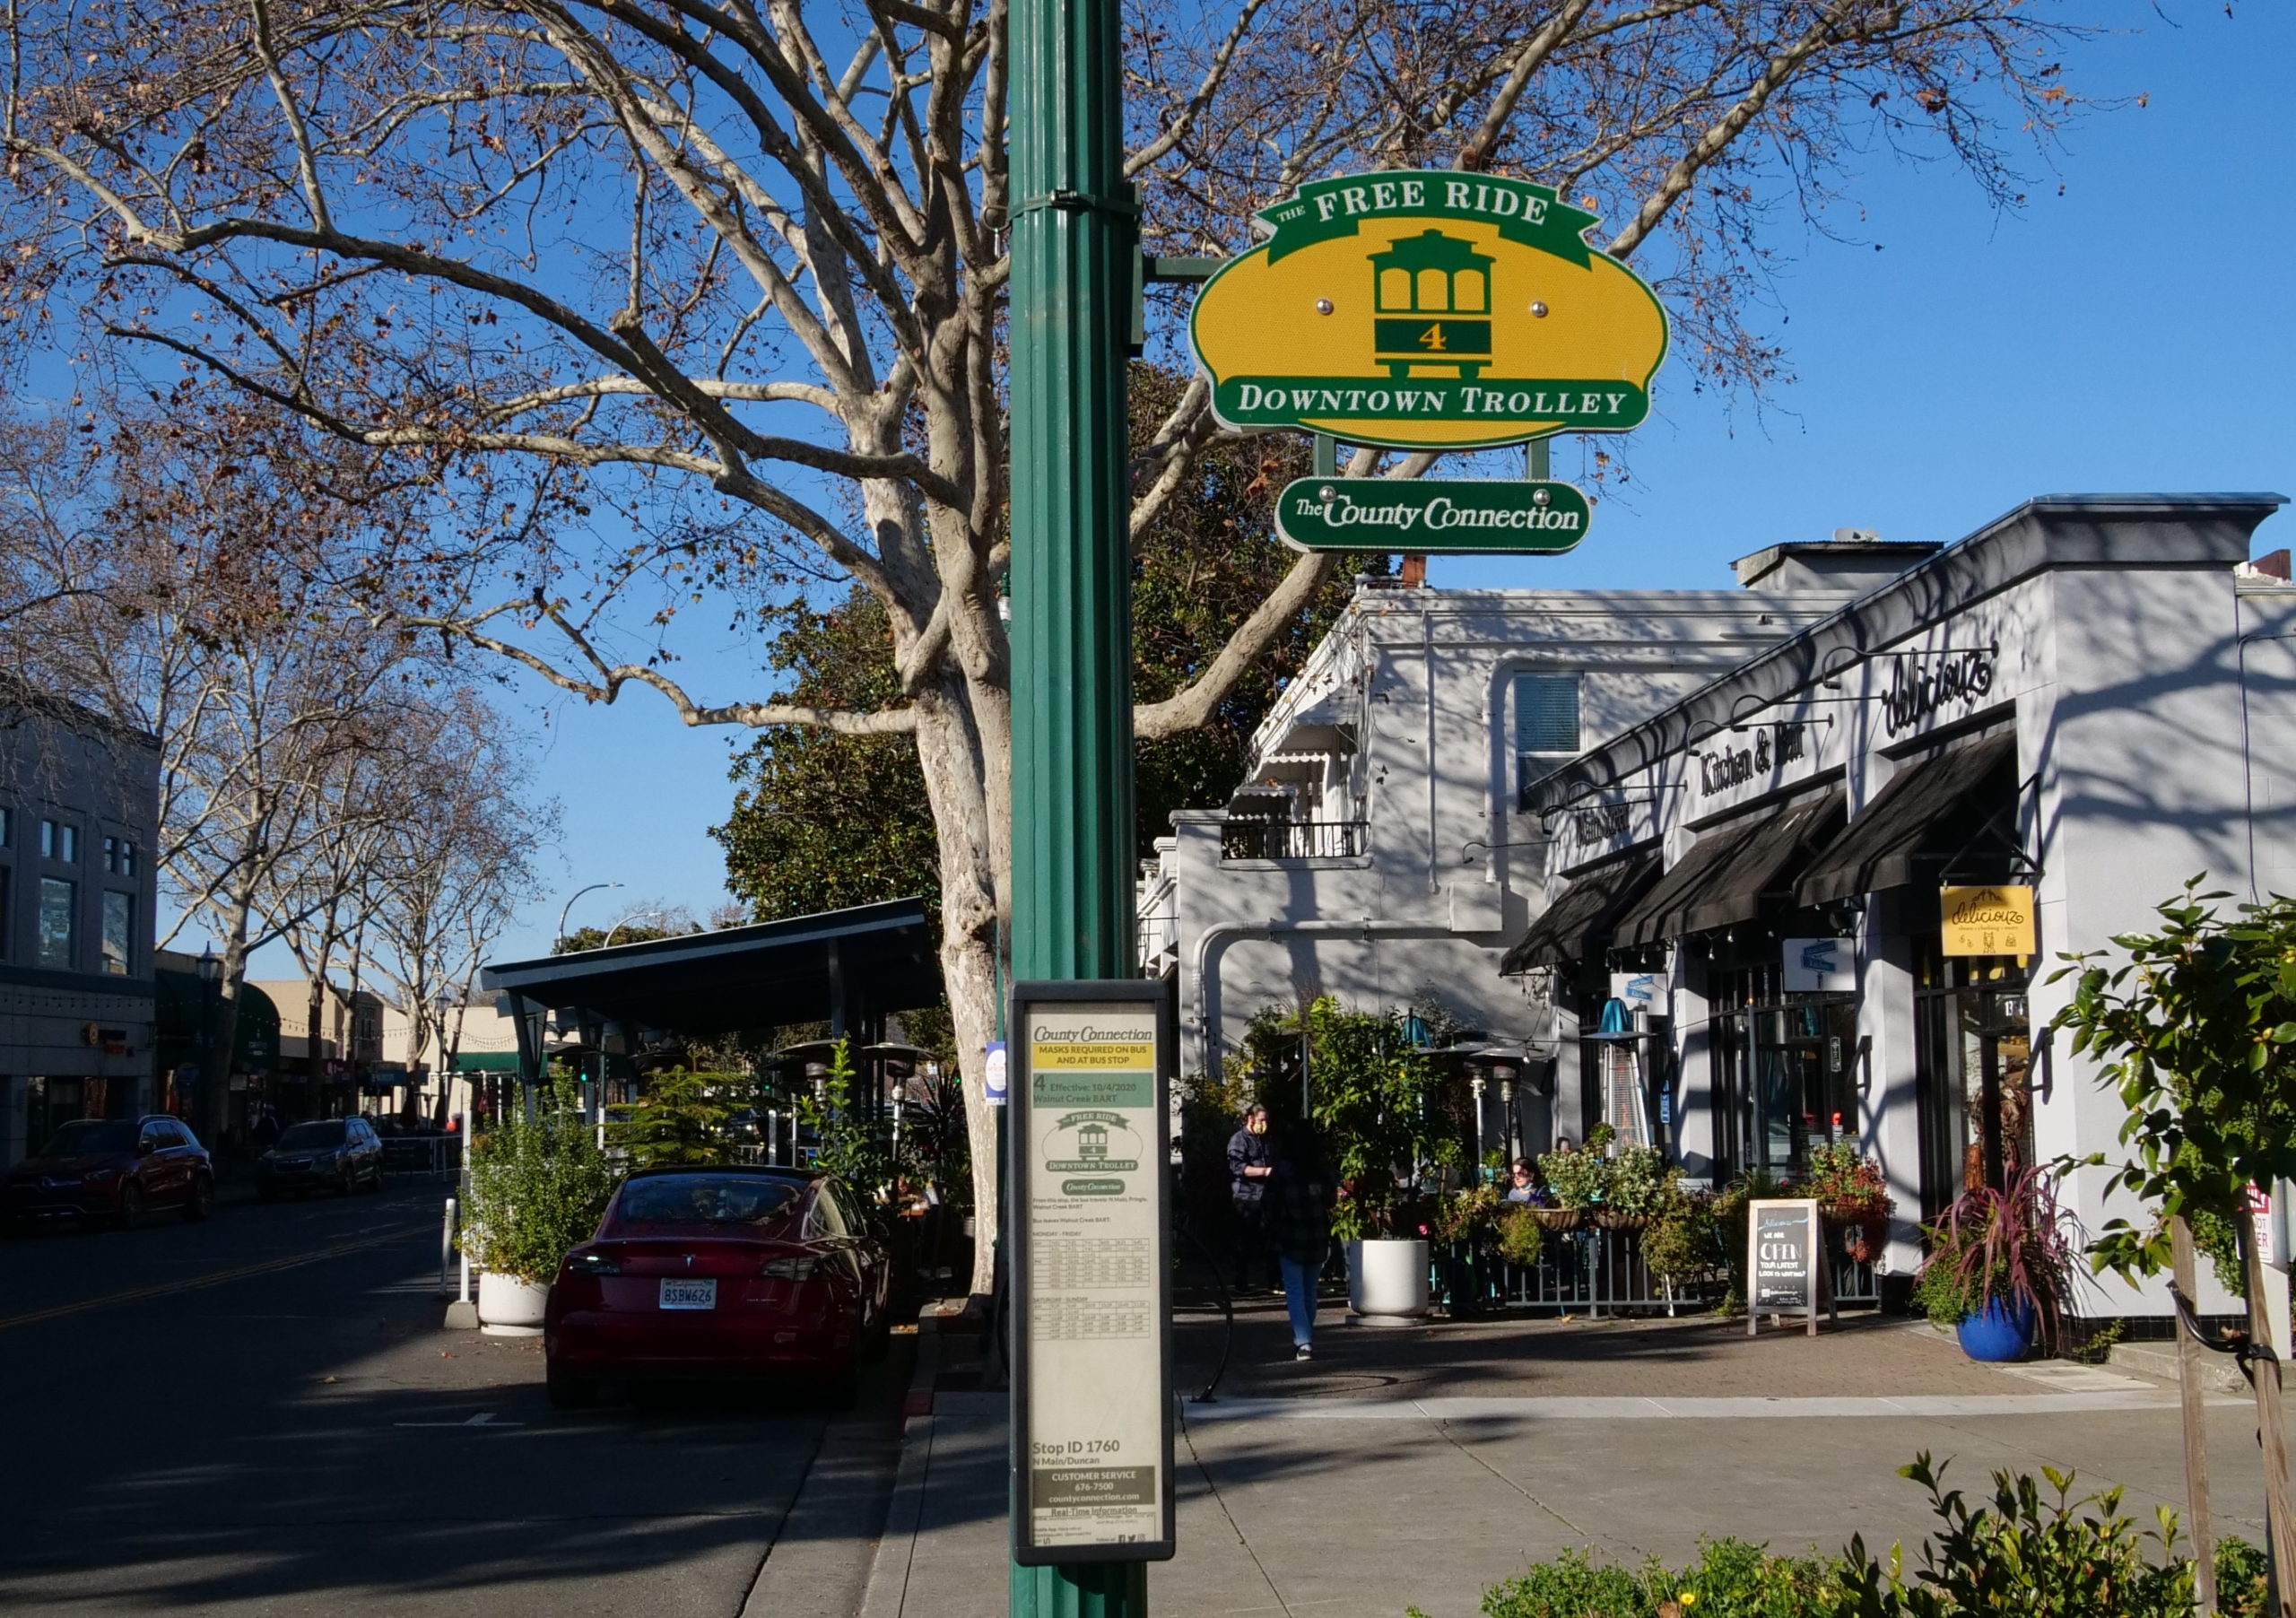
<point x="263" y="1414"/>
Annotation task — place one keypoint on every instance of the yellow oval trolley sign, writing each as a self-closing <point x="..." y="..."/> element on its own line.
<point x="1428" y="311"/>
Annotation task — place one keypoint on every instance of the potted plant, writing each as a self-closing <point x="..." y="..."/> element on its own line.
<point x="2000" y="1267"/>
<point x="1465" y="1222"/>
<point x="1852" y="1198"/>
<point x="1576" y="1179"/>
<point x="1521" y="1236"/>
<point x="1374" y="1098"/>
<point x="537" y="1186"/>
<point x="1636" y="1188"/>
<point x="1684" y="1240"/>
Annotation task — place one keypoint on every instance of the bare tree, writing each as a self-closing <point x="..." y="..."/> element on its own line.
<point x="190" y="593"/>
<point x="454" y="862"/>
<point x="724" y="279"/>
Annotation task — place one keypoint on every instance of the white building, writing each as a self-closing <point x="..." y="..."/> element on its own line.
<point x="2092" y="696"/>
<point x="1383" y="848"/>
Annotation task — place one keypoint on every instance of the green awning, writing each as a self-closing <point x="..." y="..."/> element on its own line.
<point x="486" y="1061"/>
<point x="180" y="1001"/>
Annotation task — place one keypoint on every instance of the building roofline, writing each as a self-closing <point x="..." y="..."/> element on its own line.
<point x="2047" y="531"/>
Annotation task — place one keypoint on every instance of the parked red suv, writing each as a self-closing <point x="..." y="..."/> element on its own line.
<point x="112" y="1168"/>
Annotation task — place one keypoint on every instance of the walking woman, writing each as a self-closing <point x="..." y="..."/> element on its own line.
<point x="1299" y="1218"/>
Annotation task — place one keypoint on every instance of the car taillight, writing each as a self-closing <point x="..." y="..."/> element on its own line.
<point x="798" y="1268"/>
<point x="593" y="1264"/>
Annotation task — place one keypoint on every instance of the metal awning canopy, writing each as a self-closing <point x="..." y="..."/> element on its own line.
<point x="844" y="968"/>
<point x="1878" y="848"/>
<point x="1582" y="914"/>
<point x="1732" y="870"/>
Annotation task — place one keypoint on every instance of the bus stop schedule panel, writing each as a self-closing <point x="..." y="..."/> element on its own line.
<point x="1091" y="1408"/>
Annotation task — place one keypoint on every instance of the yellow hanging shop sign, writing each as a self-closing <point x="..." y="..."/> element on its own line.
<point x="1428" y="311"/>
<point x="1989" y="921"/>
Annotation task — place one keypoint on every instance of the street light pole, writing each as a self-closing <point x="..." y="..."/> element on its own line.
<point x="625" y="921"/>
<point x="1076" y="244"/>
<point x="213" y="1114"/>
<point x="560" y="936"/>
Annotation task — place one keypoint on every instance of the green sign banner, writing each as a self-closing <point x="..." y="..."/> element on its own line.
<point x="1280" y="401"/>
<point x="1432" y="516"/>
<point x="1523" y="213"/>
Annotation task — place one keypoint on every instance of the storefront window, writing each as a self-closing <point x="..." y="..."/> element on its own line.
<point x="119" y="928"/>
<point x="58" y="900"/>
<point x="1785" y="1074"/>
<point x="51" y="1103"/>
<point x="1973" y="1074"/>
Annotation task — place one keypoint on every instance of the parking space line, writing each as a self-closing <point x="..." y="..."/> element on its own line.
<point x="214" y="1278"/>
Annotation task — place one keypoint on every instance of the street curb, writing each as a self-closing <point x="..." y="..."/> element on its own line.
<point x="888" y="1588"/>
<point x="2158" y="1361"/>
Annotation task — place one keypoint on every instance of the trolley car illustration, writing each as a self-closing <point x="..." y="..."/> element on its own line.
<point x="1093" y="1141"/>
<point x="1422" y="285"/>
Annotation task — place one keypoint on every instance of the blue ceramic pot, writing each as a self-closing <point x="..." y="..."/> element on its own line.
<point x="2004" y="1332"/>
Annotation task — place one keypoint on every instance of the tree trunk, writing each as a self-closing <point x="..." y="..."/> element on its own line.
<point x="951" y="759"/>
<point x="2189" y="1353"/>
<point x="315" y="1013"/>
<point x="2280" y="1537"/>
<point x="223" y="1031"/>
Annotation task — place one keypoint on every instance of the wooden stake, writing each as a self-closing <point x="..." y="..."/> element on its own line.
<point x="2270" y="1434"/>
<point x="2189" y="1359"/>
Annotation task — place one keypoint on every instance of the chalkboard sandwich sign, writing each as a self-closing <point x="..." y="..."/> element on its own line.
<point x="1785" y="1272"/>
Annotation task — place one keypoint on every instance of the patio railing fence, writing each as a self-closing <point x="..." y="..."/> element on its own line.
<point x="1595" y="1272"/>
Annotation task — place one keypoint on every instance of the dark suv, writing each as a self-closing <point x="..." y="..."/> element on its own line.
<point x="113" y="1169"/>
<point x="327" y="1154"/>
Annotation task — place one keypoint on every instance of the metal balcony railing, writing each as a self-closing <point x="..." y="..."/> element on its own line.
<point x="1293" y="840"/>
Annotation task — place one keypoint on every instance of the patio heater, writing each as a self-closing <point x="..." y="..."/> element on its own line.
<point x="1624" y="1074"/>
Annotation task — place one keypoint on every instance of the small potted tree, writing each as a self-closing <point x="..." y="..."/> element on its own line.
<point x="2000" y="1267"/>
<point x="1374" y="1098"/>
<point x="537" y="1186"/>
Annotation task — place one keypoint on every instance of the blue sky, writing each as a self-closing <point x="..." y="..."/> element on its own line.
<point x="2132" y="333"/>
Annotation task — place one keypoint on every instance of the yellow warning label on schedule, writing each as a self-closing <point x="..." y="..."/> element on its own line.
<point x="1098" y="1055"/>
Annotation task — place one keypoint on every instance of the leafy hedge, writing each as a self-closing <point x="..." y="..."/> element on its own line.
<point x="2021" y="1552"/>
<point x="537" y="1186"/>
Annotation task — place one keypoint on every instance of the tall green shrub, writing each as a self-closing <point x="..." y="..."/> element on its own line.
<point x="681" y="1118"/>
<point x="537" y="1186"/>
<point x="2195" y="1026"/>
<point x="1374" y="1099"/>
<point x="846" y="1144"/>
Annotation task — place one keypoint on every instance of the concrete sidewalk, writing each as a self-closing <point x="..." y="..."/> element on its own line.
<point x="1407" y="1468"/>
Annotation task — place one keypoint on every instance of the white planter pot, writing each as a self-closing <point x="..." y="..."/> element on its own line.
<point x="1386" y="1280"/>
<point x="508" y="1307"/>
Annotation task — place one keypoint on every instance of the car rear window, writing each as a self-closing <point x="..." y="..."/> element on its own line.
<point x="89" y="1137"/>
<point x="707" y="1199"/>
<point x="307" y="1137"/>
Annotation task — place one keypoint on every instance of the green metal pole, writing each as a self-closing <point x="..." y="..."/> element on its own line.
<point x="1074" y="252"/>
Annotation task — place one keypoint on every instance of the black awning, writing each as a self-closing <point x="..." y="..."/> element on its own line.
<point x="1876" y="850"/>
<point x="1730" y="872"/>
<point x="1568" y="929"/>
<point x="863" y="962"/>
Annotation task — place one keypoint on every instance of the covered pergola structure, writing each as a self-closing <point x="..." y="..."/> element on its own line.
<point x="849" y="968"/>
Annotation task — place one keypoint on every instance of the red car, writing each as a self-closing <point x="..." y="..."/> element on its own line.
<point x="111" y="1169"/>
<point x="720" y="1272"/>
